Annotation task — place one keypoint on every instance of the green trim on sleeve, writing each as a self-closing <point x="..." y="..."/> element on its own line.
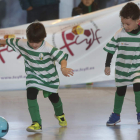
<point x="64" y="57"/>
<point x="17" y="42"/>
<point x="9" y="44"/>
<point x="111" y="45"/>
<point x="53" y="50"/>
<point x="112" y="52"/>
<point x="58" y="55"/>
<point x="113" y="39"/>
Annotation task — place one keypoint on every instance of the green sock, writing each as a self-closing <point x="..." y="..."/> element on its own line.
<point x="118" y="102"/>
<point x="34" y="110"/>
<point x="137" y="101"/>
<point x="58" y="108"/>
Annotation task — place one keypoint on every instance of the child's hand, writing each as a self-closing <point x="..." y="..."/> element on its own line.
<point x="67" y="72"/>
<point x="107" y="71"/>
<point x="2" y="42"/>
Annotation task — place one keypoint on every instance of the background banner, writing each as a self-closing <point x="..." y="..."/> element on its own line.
<point x="82" y="37"/>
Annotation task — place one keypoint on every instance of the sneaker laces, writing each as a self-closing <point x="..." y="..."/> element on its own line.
<point x="62" y="119"/>
<point x="34" y="124"/>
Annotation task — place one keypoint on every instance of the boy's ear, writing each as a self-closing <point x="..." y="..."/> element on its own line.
<point x="138" y="21"/>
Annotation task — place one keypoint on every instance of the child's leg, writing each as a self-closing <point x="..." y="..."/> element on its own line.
<point x="57" y="104"/>
<point x="58" y="108"/>
<point x="118" y="102"/>
<point x="33" y="105"/>
<point x="119" y="98"/>
<point x="136" y="88"/>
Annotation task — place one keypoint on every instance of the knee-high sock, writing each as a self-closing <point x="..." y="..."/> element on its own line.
<point x="58" y="107"/>
<point x="118" y="102"/>
<point x="34" y="110"/>
<point x="137" y="101"/>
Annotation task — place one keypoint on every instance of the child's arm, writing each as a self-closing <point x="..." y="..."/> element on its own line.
<point x="61" y="57"/>
<point x="107" y="71"/>
<point x="111" y="48"/>
<point x="2" y="43"/>
<point x="66" y="71"/>
<point x="107" y="64"/>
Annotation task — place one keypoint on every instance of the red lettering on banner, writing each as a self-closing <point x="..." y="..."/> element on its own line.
<point x="6" y="49"/>
<point x="90" y="42"/>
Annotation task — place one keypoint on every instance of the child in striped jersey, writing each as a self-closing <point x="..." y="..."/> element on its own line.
<point x="127" y="70"/>
<point x="40" y="57"/>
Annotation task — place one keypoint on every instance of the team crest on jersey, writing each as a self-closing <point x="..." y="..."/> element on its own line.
<point x="41" y="56"/>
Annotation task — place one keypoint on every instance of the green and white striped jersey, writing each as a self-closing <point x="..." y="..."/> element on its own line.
<point x="39" y="64"/>
<point x="127" y="69"/>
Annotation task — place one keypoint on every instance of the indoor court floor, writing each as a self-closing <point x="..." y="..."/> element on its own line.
<point x="86" y="110"/>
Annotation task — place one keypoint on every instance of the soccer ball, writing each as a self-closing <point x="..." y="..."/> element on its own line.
<point x="4" y="127"/>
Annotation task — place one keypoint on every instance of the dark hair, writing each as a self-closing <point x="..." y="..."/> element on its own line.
<point x="130" y="10"/>
<point x="35" y="32"/>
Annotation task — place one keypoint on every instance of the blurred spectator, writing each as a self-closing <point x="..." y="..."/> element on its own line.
<point x="86" y="6"/>
<point x="102" y="3"/>
<point x="111" y="3"/>
<point x="40" y="9"/>
<point x="2" y="10"/>
<point x="122" y="1"/>
<point x="108" y="3"/>
<point x="115" y="2"/>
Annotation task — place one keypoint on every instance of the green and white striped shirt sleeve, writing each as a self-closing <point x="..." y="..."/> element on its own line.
<point x="58" y="55"/>
<point x="112" y="46"/>
<point x="12" y="42"/>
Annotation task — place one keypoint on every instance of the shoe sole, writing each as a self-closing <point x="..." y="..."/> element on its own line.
<point x="108" y="124"/>
<point x="30" y="130"/>
<point x="59" y="124"/>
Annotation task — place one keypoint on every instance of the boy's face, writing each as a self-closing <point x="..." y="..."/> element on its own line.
<point x="35" y="46"/>
<point x="87" y="2"/>
<point x="129" y="24"/>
